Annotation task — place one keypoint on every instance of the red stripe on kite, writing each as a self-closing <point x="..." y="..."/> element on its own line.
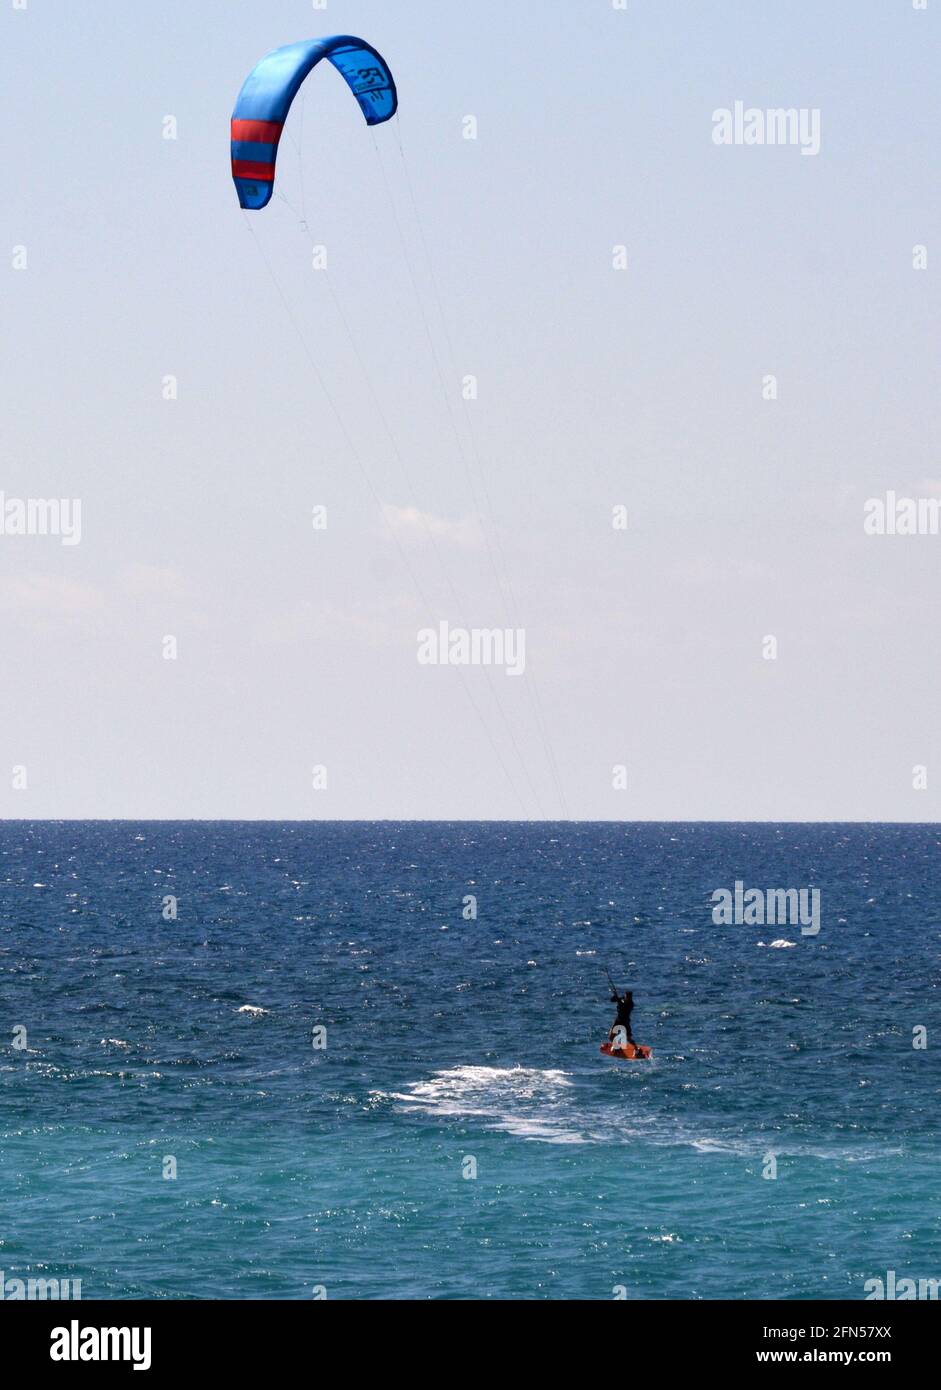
<point x="257" y="132"/>
<point x="245" y="169"/>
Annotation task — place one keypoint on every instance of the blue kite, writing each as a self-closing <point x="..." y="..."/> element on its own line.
<point x="265" y="100"/>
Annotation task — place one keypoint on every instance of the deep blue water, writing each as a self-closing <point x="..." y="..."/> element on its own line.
<point x="451" y="1040"/>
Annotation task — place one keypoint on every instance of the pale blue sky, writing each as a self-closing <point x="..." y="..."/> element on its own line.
<point x="596" y="387"/>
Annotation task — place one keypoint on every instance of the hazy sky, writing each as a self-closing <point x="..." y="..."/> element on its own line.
<point x="598" y="387"/>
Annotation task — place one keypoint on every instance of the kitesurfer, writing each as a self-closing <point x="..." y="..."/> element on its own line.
<point x="625" y="1003"/>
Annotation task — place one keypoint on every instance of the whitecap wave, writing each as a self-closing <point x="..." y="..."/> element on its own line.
<point x="524" y="1101"/>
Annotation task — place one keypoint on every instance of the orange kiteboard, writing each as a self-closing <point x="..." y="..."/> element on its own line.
<point x="630" y="1051"/>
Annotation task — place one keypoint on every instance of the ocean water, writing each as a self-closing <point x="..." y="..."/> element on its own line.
<point x="460" y="1135"/>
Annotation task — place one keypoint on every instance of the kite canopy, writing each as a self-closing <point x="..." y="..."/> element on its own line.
<point x="265" y="100"/>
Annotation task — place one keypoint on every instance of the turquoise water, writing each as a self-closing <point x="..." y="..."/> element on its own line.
<point x="455" y="1046"/>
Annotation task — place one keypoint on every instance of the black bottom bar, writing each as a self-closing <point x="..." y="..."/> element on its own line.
<point x="243" y="1338"/>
